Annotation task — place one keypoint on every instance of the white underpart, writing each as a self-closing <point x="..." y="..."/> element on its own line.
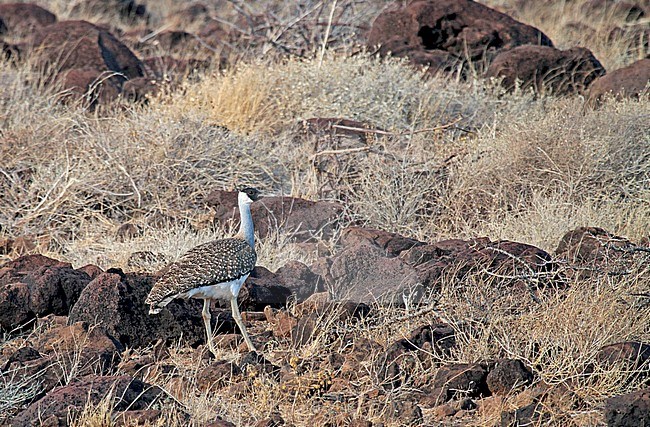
<point x="222" y="291"/>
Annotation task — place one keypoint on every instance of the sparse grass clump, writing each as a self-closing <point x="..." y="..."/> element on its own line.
<point x="441" y="158"/>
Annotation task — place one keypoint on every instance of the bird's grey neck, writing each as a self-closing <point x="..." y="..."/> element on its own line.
<point x="246" y="224"/>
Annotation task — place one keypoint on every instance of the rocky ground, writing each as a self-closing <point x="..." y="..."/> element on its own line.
<point x="454" y="233"/>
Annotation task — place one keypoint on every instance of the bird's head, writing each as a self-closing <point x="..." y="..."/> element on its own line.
<point x="248" y="195"/>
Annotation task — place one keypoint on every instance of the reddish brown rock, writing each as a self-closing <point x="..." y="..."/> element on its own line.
<point x="399" y="360"/>
<point x="60" y="353"/>
<point x="71" y="45"/>
<point x="321" y="304"/>
<point x="90" y="85"/>
<point x="216" y="375"/>
<point x="60" y="403"/>
<point x="22" y="18"/>
<point x="632" y="354"/>
<point x="302" y="219"/>
<point x="35" y="286"/>
<point x="625" y="82"/>
<point x="460" y="380"/>
<point x="506" y="376"/>
<point x="590" y="244"/>
<point x="546" y="69"/>
<point x="316" y="312"/>
<point x="135" y="418"/>
<point x="140" y="89"/>
<point x="391" y="243"/>
<point x="628" y="410"/>
<point x="439" y="33"/>
<point x="282" y="323"/>
<point x="458" y="258"/>
<point x="116" y="301"/>
<point x="532" y="414"/>
<point x="404" y="411"/>
<point x="363" y="273"/>
<point x="82" y="347"/>
<point x="261" y="289"/>
<point x="300" y="280"/>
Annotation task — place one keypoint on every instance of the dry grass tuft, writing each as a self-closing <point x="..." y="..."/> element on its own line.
<point x="457" y="159"/>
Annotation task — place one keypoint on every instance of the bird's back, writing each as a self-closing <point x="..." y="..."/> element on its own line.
<point x="205" y="265"/>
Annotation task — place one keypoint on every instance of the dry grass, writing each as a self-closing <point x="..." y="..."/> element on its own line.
<point x="511" y="166"/>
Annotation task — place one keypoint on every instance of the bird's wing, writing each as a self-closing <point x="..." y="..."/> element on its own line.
<point x="207" y="264"/>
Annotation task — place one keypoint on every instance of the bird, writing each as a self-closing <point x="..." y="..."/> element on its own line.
<point x="213" y="270"/>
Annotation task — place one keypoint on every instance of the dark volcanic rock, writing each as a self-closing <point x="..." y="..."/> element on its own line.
<point x="363" y="273"/>
<point x="546" y="69"/>
<point x="596" y="251"/>
<point x="115" y="301"/>
<point x="460" y="380"/>
<point x="68" y="45"/>
<point x="88" y="349"/>
<point x="439" y="33"/>
<point x="628" y="410"/>
<point x="140" y="89"/>
<point x="60" y="403"/>
<point x="262" y="288"/>
<point x="625" y="82"/>
<point x="216" y="375"/>
<point x="398" y="361"/>
<point x="300" y="280"/>
<point x="633" y="354"/>
<point x="367" y="270"/>
<point x="34" y="286"/>
<point x="302" y="219"/>
<point x="91" y="85"/>
<point x="507" y="376"/>
<point x="529" y="415"/>
<point x="78" y="349"/>
<point x="392" y="243"/>
<point x="22" y="18"/>
<point x="458" y="258"/>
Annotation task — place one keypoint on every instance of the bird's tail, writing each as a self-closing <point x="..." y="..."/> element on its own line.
<point x="155" y="305"/>
<point x="154" y="310"/>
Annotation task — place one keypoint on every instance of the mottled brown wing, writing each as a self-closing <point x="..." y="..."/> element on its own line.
<point x="207" y="264"/>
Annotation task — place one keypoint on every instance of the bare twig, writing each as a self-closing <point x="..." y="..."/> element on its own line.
<point x="327" y="34"/>
<point x="343" y="151"/>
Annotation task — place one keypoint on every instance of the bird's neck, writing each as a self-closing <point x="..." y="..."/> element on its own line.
<point x="246" y="224"/>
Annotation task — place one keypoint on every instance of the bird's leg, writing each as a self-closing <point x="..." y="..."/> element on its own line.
<point x="237" y="316"/>
<point x="208" y="328"/>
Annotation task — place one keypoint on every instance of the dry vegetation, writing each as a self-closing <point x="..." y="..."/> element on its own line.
<point x="507" y="166"/>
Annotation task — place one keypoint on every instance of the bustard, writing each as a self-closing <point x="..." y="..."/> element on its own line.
<point x="213" y="270"/>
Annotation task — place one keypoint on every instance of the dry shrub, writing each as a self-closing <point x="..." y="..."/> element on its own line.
<point x="555" y="164"/>
<point x="558" y="336"/>
<point x="270" y="97"/>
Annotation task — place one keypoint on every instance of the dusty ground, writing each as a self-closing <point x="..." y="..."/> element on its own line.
<point x="442" y="158"/>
